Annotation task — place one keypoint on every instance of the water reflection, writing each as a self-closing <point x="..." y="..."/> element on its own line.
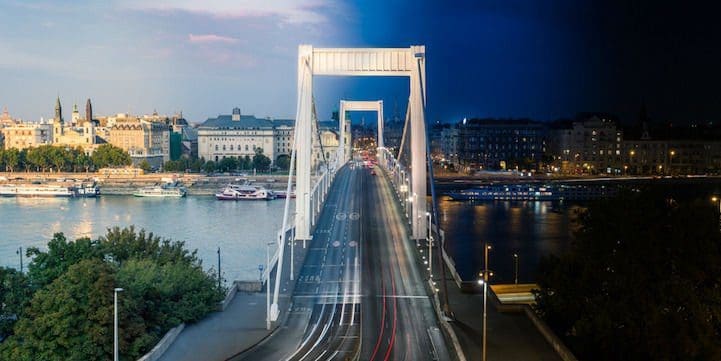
<point x="530" y="229"/>
<point x="240" y="229"/>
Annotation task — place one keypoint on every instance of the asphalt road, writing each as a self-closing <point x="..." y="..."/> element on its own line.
<point x="360" y="293"/>
<point x="397" y="315"/>
<point x="324" y="320"/>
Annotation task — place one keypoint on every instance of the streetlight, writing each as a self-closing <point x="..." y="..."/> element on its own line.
<point x="20" y="252"/>
<point x="115" y="344"/>
<point x="219" y="269"/>
<point x="267" y="285"/>
<point x="485" y="275"/>
<point x="430" y="247"/>
<point x="515" y="261"/>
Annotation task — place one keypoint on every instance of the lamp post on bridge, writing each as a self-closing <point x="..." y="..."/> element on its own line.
<point x="430" y="248"/>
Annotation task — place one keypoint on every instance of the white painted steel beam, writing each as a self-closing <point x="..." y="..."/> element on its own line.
<point x="344" y="124"/>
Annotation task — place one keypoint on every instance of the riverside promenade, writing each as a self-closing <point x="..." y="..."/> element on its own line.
<point x="224" y="334"/>
<point x="511" y="334"/>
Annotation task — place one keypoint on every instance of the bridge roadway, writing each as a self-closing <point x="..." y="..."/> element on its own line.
<point x="359" y="292"/>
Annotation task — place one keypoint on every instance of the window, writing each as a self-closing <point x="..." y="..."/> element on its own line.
<point x="216" y="147"/>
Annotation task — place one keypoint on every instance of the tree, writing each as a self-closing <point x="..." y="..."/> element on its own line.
<point x="640" y="282"/>
<point x="144" y="165"/>
<point x="70" y="314"/>
<point x="260" y="161"/>
<point x="108" y="155"/>
<point x="209" y="166"/>
<point x="61" y="254"/>
<point x="14" y="296"/>
<point x="71" y="318"/>
<point x="228" y="164"/>
<point x="283" y="162"/>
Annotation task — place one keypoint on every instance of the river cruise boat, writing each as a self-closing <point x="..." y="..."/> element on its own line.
<point x="87" y="190"/>
<point x="530" y="192"/>
<point x="233" y="192"/>
<point x="164" y="191"/>
<point x="37" y="190"/>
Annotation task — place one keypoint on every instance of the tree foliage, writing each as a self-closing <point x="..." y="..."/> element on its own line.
<point x="70" y="314"/>
<point x="260" y="161"/>
<point x="641" y="282"/>
<point x="14" y="296"/>
<point x="108" y="155"/>
<point x="57" y="158"/>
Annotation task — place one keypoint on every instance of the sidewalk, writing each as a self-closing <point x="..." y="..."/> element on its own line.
<point x="222" y="335"/>
<point x="511" y="336"/>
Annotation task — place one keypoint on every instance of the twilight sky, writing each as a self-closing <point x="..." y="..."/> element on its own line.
<point x="497" y="58"/>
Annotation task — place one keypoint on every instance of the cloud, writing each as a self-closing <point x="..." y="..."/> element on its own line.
<point x="211" y="38"/>
<point x="288" y="11"/>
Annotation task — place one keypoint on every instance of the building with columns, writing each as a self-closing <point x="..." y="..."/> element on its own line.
<point x="238" y="135"/>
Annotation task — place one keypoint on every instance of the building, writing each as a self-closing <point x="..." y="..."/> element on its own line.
<point x="592" y="146"/>
<point x="27" y="135"/>
<point x="500" y="144"/>
<point x="449" y="145"/>
<point x="237" y="135"/>
<point x="680" y="150"/>
<point x="144" y="140"/>
<point x="80" y="132"/>
<point x="326" y="149"/>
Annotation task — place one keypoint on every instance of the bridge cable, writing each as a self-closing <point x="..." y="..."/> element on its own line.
<point x="434" y="207"/>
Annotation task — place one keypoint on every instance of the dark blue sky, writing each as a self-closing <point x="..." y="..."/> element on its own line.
<point x="552" y="59"/>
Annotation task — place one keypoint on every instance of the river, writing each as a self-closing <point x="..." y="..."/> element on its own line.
<point x="240" y="229"/>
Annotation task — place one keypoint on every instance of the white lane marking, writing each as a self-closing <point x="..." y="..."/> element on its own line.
<point x="336" y="244"/>
<point x="354" y="216"/>
<point x="341" y="216"/>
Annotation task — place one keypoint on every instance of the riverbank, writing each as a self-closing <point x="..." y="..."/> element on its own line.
<point x="196" y="184"/>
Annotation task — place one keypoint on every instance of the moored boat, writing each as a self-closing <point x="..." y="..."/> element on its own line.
<point x="234" y="192"/>
<point x="526" y="192"/>
<point x="164" y="191"/>
<point x="37" y="190"/>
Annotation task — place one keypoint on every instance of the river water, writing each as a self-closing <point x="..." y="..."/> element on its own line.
<point x="240" y="229"/>
<point x="529" y="229"/>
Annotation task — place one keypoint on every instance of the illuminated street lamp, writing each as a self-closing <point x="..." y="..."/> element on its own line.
<point x="430" y="247"/>
<point x="485" y="276"/>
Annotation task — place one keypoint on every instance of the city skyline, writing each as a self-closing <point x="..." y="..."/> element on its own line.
<point x="496" y="59"/>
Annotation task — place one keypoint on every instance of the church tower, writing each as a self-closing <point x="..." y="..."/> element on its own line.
<point x="58" y="123"/>
<point x="88" y="111"/>
<point x="58" y="111"/>
<point x="75" y="118"/>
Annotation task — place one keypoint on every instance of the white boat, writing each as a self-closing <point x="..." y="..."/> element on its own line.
<point x="36" y="190"/>
<point x="161" y="191"/>
<point x="233" y="192"/>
